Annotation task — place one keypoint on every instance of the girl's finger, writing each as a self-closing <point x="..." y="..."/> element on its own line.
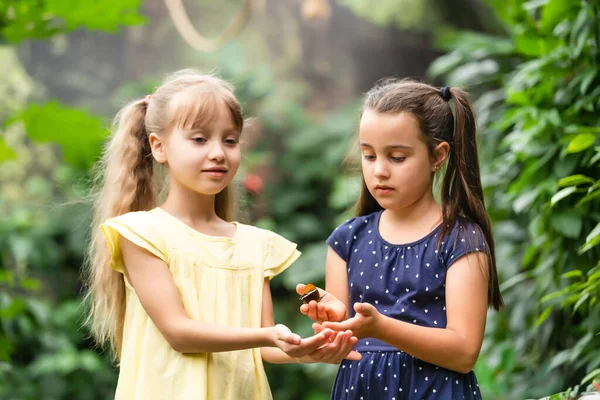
<point x="344" y="347"/>
<point x="304" y="309"/>
<point x="336" y="326"/>
<point x="292" y="338"/>
<point x="322" y="312"/>
<point x="339" y="345"/>
<point x="354" y="356"/>
<point x="323" y="354"/>
<point x="312" y="310"/>
<point x="331" y="314"/>
<point x="317" y="327"/>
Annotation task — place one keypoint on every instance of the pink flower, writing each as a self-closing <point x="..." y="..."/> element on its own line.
<point x="253" y="183"/>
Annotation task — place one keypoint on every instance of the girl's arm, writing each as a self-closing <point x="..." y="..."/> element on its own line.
<point x="457" y="346"/>
<point x="154" y="286"/>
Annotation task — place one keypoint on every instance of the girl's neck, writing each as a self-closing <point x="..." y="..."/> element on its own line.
<point x="190" y="206"/>
<point x="424" y="211"/>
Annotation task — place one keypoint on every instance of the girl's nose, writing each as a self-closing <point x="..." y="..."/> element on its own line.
<point x="216" y="152"/>
<point x="381" y="169"/>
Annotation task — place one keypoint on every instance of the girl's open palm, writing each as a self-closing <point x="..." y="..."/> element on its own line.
<point x="362" y="325"/>
<point x="328" y="309"/>
<point x="295" y="346"/>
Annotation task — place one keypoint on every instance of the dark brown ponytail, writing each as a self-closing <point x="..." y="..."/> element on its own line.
<point x="462" y="192"/>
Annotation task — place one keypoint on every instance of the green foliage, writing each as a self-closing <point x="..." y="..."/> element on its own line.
<point x="78" y="133"/>
<point x="38" y="19"/>
<point x="6" y="153"/>
<point x="41" y="244"/>
<point x="43" y="351"/>
<point x="539" y="110"/>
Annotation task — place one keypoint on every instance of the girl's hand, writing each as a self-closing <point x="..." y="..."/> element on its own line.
<point x="296" y="347"/>
<point x="328" y="309"/>
<point x="339" y="348"/>
<point x="363" y="324"/>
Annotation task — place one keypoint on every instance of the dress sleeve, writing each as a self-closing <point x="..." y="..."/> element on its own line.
<point x="341" y="238"/>
<point x="466" y="238"/>
<point x="136" y="228"/>
<point x="281" y="253"/>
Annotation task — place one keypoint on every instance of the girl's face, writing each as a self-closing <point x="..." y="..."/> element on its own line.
<point x="396" y="163"/>
<point x="203" y="159"/>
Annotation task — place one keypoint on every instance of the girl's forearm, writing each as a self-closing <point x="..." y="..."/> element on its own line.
<point x="442" y="347"/>
<point x="277" y="356"/>
<point x="191" y="336"/>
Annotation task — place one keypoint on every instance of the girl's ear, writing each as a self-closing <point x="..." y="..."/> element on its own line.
<point x="440" y="155"/>
<point x="158" y="148"/>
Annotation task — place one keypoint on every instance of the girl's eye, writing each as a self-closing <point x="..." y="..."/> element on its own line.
<point x="368" y="157"/>
<point x="199" y="139"/>
<point x="231" y="142"/>
<point x="398" y="159"/>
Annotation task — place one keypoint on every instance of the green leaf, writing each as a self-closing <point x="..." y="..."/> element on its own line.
<point x="581" y="142"/>
<point x="553" y="13"/>
<point x="596" y="157"/>
<point x="445" y="64"/>
<point x="591" y="376"/>
<point x="581" y="300"/>
<point x="40" y="19"/>
<point x="534" y="46"/>
<point x="572" y="274"/>
<point x="476" y="44"/>
<point x="6" y="153"/>
<point x="554" y="295"/>
<point x="587" y="78"/>
<point x="79" y="134"/>
<point x="592" y="240"/>
<point x="575" y="180"/>
<point x="567" y="222"/>
<point x="562" y="194"/>
<point x="592" y="195"/>
<point x="545" y="314"/>
<point x="6" y="348"/>
<point x="559" y="359"/>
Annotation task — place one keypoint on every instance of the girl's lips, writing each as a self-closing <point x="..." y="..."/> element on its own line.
<point x="215" y="173"/>
<point x="383" y="190"/>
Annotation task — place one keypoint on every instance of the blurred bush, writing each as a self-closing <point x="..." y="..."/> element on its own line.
<point x="538" y="105"/>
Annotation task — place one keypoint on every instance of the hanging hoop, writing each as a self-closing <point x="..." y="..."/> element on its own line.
<point x="196" y="40"/>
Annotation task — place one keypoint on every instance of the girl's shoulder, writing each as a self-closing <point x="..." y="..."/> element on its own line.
<point x="356" y="224"/>
<point x="465" y="237"/>
<point x="343" y="238"/>
<point x="135" y="219"/>
<point x="463" y="228"/>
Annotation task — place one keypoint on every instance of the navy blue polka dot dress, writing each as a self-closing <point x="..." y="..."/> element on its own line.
<point x="405" y="282"/>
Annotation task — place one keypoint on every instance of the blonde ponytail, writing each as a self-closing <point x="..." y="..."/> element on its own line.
<point x="125" y="175"/>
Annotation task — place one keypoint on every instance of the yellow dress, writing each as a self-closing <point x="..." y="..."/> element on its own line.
<point x="220" y="280"/>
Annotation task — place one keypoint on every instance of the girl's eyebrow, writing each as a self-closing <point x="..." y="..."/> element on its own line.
<point x="233" y="132"/>
<point x="391" y="146"/>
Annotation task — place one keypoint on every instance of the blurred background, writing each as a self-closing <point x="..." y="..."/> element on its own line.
<point x="300" y="68"/>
